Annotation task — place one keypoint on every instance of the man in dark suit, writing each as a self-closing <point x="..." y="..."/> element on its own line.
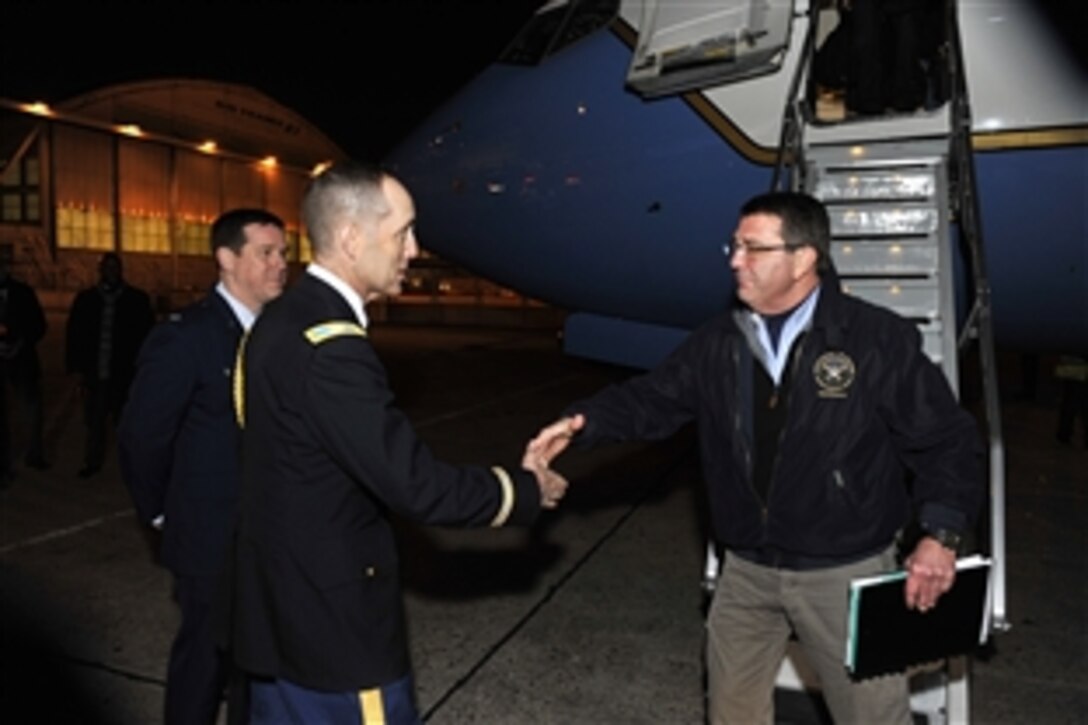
<point x="179" y="445"/>
<point x="22" y="326"/>
<point x="326" y="460"/>
<point x="106" y="326"/>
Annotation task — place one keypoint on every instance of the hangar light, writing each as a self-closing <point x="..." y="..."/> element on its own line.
<point x="38" y="108"/>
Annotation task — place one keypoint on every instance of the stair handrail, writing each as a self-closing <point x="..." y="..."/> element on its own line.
<point x="979" y="322"/>
<point x="789" y="140"/>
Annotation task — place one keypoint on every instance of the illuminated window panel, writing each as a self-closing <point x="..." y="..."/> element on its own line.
<point x="146" y="233"/>
<point x="193" y="236"/>
<point x="12" y="209"/>
<point x="82" y="228"/>
<point x="33" y="208"/>
<point x="305" y="249"/>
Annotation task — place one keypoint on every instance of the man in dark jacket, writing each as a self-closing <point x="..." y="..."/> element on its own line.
<point x="824" y="430"/>
<point x="327" y="459"/>
<point x="107" y="323"/>
<point x="179" y="447"/>
<point x="22" y="326"/>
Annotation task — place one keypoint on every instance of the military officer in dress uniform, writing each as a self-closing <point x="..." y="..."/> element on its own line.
<point x="178" y="447"/>
<point x="317" y="607"/>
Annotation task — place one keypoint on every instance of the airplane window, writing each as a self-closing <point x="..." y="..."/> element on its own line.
<point x="586" y="17"/>
<point x="556" y="26"/>
<point x="531" y="44"/>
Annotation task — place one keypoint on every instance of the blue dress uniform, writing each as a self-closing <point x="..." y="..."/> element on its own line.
<point x="326" y="458"/>
<point x="178" y="449"/>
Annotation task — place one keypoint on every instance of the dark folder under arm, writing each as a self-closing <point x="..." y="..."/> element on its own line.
<point x="884" y="636"/>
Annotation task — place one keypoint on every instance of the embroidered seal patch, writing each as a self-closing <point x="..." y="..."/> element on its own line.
<point x="834" y="373"/>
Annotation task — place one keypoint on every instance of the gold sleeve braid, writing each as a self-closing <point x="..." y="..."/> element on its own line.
<point x="507" y="504"/>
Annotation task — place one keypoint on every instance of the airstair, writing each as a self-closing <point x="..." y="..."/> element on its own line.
<point x="901" y="194"/>
<point x="902" y="198"/>
<point x="890" y="205"/>
<point x="891" y="229"/>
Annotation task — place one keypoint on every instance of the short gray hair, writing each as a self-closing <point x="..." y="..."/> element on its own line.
<point x="342" y="193"/>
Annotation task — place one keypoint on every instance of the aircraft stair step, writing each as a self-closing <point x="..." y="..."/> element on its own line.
<point x="883" y="219"/>
<point x="892" y="154"/>
<point x="902" y="184"/>
<point x="865" y="257"/>
<point x="918" y="299"/>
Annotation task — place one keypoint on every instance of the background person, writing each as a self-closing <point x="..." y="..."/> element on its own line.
<point x="107" y="323"/>
<point x="22" y="326"/>
<point x="327" y="459"/>
<point x="179" y="446"/>
<point x="824" y="430"/>
<point x="891" y="44"/>
<point x="1072" y="372"/>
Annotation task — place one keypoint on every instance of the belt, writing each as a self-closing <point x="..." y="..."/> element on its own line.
<point x="775" y="558"/>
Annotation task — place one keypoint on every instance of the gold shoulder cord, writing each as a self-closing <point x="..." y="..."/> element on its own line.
<point x="316" y="335"/>
<point x="326" y="331"/>
<point x="239" y="382"/>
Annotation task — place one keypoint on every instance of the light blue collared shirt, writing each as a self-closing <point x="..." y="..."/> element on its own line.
<point x="245" y="315"/>
<point x="774" y="360"/>
<point x="350" y="296"/>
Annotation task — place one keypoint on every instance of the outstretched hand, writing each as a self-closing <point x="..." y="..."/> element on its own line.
<point x="554" y="439"/>
<point x="552" y="486"/>
<point x="542" y="450"/>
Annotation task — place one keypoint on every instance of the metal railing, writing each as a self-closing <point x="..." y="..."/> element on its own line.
<point x="979" y="323"/>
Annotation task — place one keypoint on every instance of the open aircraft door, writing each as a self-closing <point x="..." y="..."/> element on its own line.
<point x="697" y="44"/>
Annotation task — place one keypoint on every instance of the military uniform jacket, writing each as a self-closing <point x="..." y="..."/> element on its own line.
<point x="178" y="439"/>
<point x="873" y="434"/>
<point x="326" y="458"/>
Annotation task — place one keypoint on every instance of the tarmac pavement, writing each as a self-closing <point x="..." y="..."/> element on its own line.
<point x="592" y="616"/>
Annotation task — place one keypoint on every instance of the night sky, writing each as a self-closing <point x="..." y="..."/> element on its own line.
<point x="364" y="72"/>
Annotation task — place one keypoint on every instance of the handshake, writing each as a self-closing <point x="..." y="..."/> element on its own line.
<point x="543" y="449"/>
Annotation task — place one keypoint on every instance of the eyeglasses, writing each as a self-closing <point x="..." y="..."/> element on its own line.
<point x="733" y="247"/>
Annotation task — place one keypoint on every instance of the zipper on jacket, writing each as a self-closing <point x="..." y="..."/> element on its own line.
<point x="795" y="363"/>
<point x="738" y="428"/>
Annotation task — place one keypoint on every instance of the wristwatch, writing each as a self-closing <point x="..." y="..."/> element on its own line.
<point x="946" y="537"/>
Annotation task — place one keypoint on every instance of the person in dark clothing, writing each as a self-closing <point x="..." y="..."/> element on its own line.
<point x="888" y="47"/>
<point x="327" y="461"/>
<point x="825" y="432"/>
<point x="22" y="326"/>
<point x="1072" y="371"/>
<point x="107" y="323"/>
<point x="178" y="450"/>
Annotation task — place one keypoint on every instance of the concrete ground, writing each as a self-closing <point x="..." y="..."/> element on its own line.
<point x="593" y="616"/>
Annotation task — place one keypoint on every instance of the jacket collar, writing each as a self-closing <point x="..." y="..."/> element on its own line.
<point x="831" y="316"/>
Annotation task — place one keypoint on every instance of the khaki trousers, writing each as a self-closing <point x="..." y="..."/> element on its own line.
<point x="755" y="609"/>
